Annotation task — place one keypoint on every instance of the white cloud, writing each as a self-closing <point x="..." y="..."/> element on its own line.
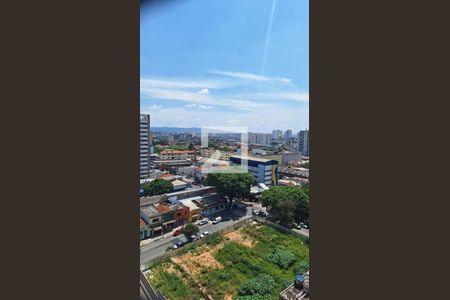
<point x="203" y="92"/>
<point x="251" y="76"/>
<point x="280" y="118"/>
<point x="205" y="107"/>
<point x="177" y="83"/>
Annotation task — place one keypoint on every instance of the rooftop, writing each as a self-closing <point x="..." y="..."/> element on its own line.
<point x="190" y="203"/>
<point x="252" y="158"/>
<point x="150" y="211"/>
<point x="146" y="201"/>
<point x="163" y="208"/>
<point x="177" y="151"/>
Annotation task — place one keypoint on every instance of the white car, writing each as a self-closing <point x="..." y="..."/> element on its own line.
<point x="204" y="234"/>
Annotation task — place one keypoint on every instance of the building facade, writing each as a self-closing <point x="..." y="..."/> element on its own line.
<point x="144" y="146"/>
<point x="265" y="170"/>
<point x="177" y="154"/>
<point x="303" y="142"/>
<point x="259" y="138"/>
<point x="287" y="135"/>
<point x="277" y="135"/>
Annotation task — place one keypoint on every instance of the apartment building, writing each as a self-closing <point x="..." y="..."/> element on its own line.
<point x="303" y="142"/>
<point x="144" y="146"/>
<point x="265" y="170"/>
<point x="259" y="138"/>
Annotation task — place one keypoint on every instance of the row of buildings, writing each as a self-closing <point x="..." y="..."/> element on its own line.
<point x="162" y="213"/>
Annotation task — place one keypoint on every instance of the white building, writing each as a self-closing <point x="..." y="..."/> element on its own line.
<point x="303" y="142"/>
<point x="259" y="138"/>
<point x="277" y="135"/>
<point x="144" y="146"/>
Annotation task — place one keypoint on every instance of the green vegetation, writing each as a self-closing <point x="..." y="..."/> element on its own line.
<point x="214" y="239"/>
<point x="179" y="147"/>
<point x="287" y="203"/>
<point x="190" y="229"/>
<point x="157" y="187"/>
<point x="173" y="286"/>
<point x="301" y="267"/>
<point x="231" y="185"/>
<point x="262" y="284"/>
<point x="282" y="257"/>
<point x="249" y="273"/>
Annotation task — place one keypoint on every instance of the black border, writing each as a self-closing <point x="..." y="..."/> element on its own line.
<point x="379" y="90"/>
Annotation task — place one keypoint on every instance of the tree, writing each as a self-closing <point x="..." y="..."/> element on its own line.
<point x="286" y="203"/>
<point x="189" y="230"/>
<point x="231" y="185"/>
<point x="157" y="187"/>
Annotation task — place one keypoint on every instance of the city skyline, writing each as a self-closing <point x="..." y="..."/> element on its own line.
<point x="248" y="67"/>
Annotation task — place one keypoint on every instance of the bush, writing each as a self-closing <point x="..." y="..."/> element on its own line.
<point x="224" y="276"/>
<point x="254" y="297"/>
<point x="301" y="267"/>
<point x="282" y="257"/>
<point x="214" y="239"/>
<point x="263" y="284"/>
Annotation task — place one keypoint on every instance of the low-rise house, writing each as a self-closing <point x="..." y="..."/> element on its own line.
<point x="176" y="154"/>
<point x="195" y="210"/>
<point x="179" y="185"/>
<point x="181" y="215"/>
<point x="153" y="219"/>
<point x="167" y="216"/>
<point x="143" y="229"/>
<point x="212" y="204"/>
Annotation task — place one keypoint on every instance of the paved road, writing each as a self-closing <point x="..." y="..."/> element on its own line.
<point x="158" y="248"/>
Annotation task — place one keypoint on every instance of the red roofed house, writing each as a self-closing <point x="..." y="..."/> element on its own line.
<point x="167" y="215"/>
<point x="143" y="229"/>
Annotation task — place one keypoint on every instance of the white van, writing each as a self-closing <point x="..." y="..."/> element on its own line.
<point x="217" y="220"/>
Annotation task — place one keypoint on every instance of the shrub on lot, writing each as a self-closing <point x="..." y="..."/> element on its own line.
<point x="301" y="267"/>
<point x="263" y="284"/>
<point x="254" y="297"/>
<point x="214" y="239"/>
<point x="282" y="257"/>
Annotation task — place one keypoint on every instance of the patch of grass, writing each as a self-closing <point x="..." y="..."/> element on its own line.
<point x="214" y="239"/>
<point x="172" y="286"/>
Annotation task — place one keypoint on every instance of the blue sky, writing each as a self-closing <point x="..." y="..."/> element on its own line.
<point x="226" y="63"/>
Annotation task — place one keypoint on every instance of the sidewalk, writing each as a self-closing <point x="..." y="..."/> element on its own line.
<point x="162" y="238"/>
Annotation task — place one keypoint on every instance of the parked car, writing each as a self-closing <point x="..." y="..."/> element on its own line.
<point x="262" y="214"/>
<point x="217" y="220"/>
<point x="296" y="226"/>
<point x="179" y="244"/>
<point x="255" y="212"/>
<point x="177" y="232"/>
<point x="203" y="222"/>
<point x="303" y="225"/>
<point x="193" y="237"/>
<point x="202" y="235"/>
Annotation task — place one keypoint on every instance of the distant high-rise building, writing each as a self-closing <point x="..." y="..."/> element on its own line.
<point x="277" y="135"/>
<point x="287" y="134"/>
<point x="259" y="138"/>
<point x="145" y="142"/>
<point x="303" y="142"/>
